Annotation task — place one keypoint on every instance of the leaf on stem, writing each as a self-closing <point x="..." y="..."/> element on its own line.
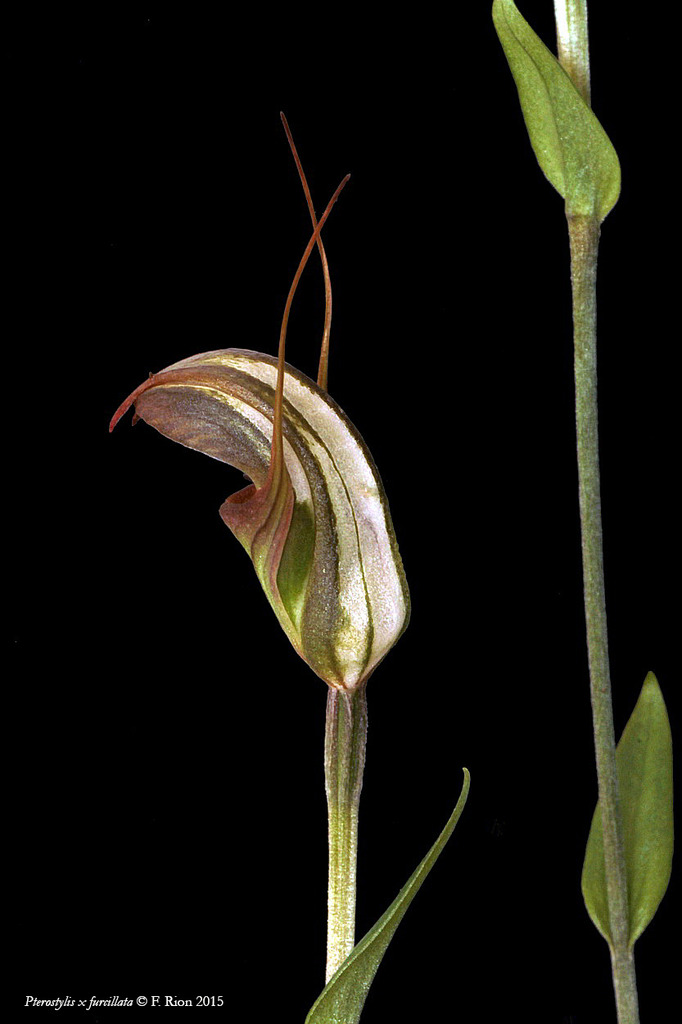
<point x="572" y="148"/>
<point x="342" y="1000"/>
<point x="644" y="759"/>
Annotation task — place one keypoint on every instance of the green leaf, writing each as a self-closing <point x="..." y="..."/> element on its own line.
<point x="644" y="759"/>
<point x="572" y="148"/>
<point x="341" y="1002"/>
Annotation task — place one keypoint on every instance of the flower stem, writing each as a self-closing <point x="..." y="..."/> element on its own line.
<point x="573" y="43"/>
<point x="345" y="739"/>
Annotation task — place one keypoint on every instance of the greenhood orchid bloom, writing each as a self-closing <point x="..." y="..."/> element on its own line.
<point x="314" y="520"/>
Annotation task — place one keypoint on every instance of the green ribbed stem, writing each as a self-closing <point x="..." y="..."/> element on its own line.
<point x="345" y="740"/>
<point x="584" y="238"/>
<point x="574" y="56"/>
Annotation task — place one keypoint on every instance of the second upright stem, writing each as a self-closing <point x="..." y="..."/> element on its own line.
<point x="584" y="238"/>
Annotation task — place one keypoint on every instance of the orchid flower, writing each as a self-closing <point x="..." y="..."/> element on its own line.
<point x="315" y="519"/>
<point x="315" y="522"/>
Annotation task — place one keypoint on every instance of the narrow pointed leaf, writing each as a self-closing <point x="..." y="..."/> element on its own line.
<point x="319" y="533"/>
<point x="572" y="148"/>
<point x="644" y="760"/>
<point x="342" y="1000"/>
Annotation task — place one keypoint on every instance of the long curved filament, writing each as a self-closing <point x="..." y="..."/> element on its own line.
<point x="322" y="373"/>
<point x="277" y="454"/>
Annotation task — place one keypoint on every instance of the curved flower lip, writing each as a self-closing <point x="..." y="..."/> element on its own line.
<point x="132" y="398"/>
<point x="322" y="541"/>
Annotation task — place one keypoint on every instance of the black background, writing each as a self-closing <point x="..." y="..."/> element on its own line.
<point x="167" y="761"/>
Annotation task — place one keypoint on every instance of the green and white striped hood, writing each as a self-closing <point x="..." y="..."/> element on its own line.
<point x="318" y="529"/>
